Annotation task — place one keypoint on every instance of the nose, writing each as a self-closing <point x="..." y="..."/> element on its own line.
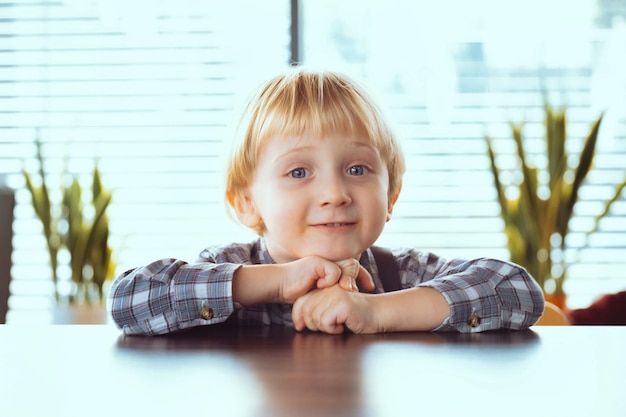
<point x="334" y="191"/>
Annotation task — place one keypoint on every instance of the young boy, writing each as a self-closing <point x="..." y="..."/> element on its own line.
<point x="316" y="172"/>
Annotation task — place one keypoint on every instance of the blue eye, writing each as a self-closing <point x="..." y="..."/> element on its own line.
<point x="299" y="173"/>
<point x="357" y="170"/>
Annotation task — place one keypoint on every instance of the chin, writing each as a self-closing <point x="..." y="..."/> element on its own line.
<point x="336" y="255"/>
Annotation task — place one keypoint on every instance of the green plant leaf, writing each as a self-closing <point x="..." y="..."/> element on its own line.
<point x="529" y="190"/>
<point x="607" y="207"/>
<point x="73" y="211"/>
<point x="496" y="177"/>
<point x="583" y="168"/>
<point x="586" y="156"/>
<point x="88" y="237"/>
<point x="555" y="125"/>
<point x="42" y="207"/>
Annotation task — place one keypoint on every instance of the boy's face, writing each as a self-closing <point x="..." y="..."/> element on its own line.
<point x="318" y="196"/>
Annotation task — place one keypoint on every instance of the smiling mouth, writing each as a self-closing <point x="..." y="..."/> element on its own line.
<point x="341" y="224"/>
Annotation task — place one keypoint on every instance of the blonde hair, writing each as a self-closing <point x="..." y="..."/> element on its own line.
<point x="318" y="103"/>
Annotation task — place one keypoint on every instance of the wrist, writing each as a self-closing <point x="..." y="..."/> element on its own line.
<point x="415" y="309"/>
<point x="383" y="310"/>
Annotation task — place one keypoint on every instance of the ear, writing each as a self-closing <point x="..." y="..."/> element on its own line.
<point x="393" y="197"/>
<point x="243" y="205"/>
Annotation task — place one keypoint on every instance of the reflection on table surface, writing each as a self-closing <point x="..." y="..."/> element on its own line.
<point x="274" y="371"/>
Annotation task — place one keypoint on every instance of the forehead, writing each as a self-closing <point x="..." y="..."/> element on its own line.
<point x="291" y="143"/>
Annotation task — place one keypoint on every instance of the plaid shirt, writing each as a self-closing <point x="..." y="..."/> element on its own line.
<point x="170" y="294"/>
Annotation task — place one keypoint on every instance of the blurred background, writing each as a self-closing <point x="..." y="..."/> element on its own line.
<point x="148" y="91"/>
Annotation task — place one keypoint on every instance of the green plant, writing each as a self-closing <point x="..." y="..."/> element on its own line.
<point x="537" y="216"/>
<point x="68" y="227"/>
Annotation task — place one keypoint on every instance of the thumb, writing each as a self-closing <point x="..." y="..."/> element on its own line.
<point x="349" y="272"/>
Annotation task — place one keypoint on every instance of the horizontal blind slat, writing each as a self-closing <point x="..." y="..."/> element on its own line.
<point x="148" y="92"/>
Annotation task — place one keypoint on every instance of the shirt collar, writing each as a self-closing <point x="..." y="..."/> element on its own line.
<point x="264" y="254"/>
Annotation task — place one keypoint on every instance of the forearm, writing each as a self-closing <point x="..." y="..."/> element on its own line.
<point x="415" y="309"/>
<point x="285" y="283"/>
<point x="256" y="284"/>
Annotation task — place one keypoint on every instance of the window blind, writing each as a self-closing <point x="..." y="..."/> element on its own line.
<point x="146" y="89"/>
<point x="149" y="91"/>
<point x="451" y="72"/>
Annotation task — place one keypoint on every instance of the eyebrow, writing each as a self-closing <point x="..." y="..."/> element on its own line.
<point x="300" y="149"/>
<point x="292" y="151"/>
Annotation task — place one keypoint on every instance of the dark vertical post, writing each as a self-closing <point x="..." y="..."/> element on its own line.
<point x="294" y="33"/>
<point x="7" y="203"/>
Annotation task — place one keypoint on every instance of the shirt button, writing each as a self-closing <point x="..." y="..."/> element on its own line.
<point x="206" y="313"/>
<point x="474" y="320"/>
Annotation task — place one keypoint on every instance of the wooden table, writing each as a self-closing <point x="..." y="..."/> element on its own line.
<point x="95" y="371"/>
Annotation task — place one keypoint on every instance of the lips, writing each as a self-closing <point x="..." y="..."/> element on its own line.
<point x="334" y="224"/>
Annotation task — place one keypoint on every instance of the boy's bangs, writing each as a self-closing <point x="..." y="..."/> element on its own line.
<point x="316" y="120"/>
<point x="316" y="106"/>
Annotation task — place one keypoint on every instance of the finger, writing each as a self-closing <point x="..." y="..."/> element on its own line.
<point x="330" y="322"/>
<point x="330" y="275"/>
<point x="297" y="314"/>
<point x="309" y="312"/>
<point x="348" y="283"/>
<point x="349" y="271"/>
<point x="310" y="320"/>
<point x="366" y="280"/>
<point x="332" y="328"/>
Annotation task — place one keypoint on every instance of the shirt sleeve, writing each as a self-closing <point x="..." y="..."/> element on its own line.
<point x="169" y="295"/>
<point x="483" y="294"/>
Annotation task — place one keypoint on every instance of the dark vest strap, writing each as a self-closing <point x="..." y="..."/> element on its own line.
<point x="387" y="268"/>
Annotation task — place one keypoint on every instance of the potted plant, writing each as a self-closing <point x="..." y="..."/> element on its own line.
<point x="536" y="215"/>
<point x="67" y="226"/>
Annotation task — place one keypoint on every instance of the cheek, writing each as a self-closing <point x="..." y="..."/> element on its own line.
<point x="376" y="206"/>
<point x="277" y="207"/>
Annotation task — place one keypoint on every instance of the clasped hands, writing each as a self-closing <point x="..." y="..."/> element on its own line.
<point x="326" y="298"/>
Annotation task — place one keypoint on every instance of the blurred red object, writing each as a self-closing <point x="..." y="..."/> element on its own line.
<point x="610" y="309"/>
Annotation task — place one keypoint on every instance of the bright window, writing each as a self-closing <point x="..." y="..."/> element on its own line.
<point x="450" y="72"/>
<point x="150" y="89"/>
<point x="147" y="88"/>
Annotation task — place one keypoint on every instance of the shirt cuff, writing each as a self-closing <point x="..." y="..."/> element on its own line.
<point x="205" y="297"/>
<point x="470" y="312"/>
